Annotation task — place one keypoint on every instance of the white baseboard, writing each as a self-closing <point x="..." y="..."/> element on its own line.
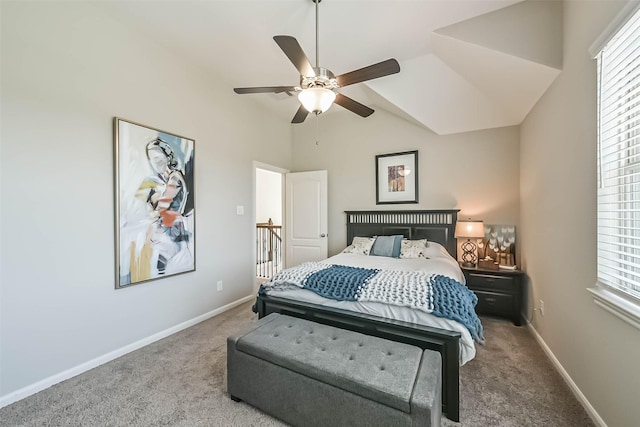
<point x="593" y="414"/>
<point x="77" y="370"/>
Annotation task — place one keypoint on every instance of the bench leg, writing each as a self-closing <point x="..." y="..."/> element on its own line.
<point x="235" y="399"/>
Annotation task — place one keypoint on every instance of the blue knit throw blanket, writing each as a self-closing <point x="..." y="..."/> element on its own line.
<point x="439" y="295"/>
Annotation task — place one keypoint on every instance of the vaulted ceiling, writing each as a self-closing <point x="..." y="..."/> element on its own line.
<point x="465" y="64"/>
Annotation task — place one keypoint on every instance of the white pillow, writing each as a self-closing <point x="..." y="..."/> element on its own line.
<point x="360" y="245"/>
<point x="414" y="248"/>
<point x="435" y="250"/>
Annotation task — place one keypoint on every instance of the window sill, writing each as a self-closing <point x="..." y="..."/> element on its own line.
<point x="616" y="305"/>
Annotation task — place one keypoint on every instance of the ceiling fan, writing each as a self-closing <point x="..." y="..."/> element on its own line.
<point x="318" y="88"/>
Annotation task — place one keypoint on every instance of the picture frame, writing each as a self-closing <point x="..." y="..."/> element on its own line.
<point x="154" y="203"/>
<point x="498" y="248"/>
<point x="397" y="178"/>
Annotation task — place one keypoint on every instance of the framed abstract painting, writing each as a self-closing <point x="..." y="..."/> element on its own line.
<point x="397" y="178"/>
<point x="155" y="206"/>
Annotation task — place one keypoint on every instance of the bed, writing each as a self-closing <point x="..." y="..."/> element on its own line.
<point x="448" y="337"/>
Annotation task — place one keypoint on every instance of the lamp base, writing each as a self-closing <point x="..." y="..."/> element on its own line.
<point x="468" y="257"/>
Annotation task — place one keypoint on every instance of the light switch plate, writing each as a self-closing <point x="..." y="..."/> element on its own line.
<point x="240" y="210"/>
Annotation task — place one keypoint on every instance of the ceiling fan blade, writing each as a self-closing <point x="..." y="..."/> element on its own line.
<point x="354" y="106"/>
<point x="301" y="114"/>
<point x="381" y="69"/>
<point x="265" y="89"/>
<point x="296" y="55"/>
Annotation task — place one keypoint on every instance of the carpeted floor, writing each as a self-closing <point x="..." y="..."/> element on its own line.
<point x="181" y="381"/>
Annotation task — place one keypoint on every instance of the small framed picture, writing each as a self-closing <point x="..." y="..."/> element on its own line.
<point x="397" y="178"/>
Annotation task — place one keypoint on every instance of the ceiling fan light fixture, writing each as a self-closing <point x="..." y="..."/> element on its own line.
<point x="316" y="99"/>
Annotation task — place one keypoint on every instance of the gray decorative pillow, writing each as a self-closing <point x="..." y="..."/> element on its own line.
<point x="414" y="248"/>
<point x="387" y="246"/>
<point x="360" y="245"/>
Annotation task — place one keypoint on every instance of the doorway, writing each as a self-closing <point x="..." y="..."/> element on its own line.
<point x="270" y="242"/>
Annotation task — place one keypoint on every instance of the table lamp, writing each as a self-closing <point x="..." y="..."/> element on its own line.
<point x="470" y="230"/>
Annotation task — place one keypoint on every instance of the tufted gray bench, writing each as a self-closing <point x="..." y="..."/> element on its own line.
<point x="305" y="373"/>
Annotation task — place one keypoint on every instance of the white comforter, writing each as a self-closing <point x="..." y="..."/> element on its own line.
<point x="439" y="262"/>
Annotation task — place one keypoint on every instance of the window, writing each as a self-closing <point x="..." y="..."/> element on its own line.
<point x="618" y="198"/>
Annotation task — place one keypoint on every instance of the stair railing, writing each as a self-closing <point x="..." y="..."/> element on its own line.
<point x="268" y="249"/>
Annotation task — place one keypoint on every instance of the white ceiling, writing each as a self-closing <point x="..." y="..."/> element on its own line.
<point x="465" y="64"/>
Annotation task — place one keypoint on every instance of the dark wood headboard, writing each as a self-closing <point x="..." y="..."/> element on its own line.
<point x="437" y="226"/>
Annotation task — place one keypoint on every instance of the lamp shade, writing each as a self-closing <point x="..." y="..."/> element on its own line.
<point x="316" y="99"/>
<point x="472" y="229"/>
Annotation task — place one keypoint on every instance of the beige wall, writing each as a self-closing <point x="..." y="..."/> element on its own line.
<point x="67" y="69"/>
<point x="476" y="172"/>
<point x="558" y="224"/>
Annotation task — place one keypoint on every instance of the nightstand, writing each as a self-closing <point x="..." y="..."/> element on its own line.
<point x="500" y="292"/>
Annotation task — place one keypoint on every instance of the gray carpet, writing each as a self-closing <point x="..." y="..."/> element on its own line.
<point x="181" y="381"/>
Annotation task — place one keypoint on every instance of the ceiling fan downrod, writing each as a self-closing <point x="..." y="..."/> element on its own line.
<point x="323" y="78"/>
<point x="317" y="34"/>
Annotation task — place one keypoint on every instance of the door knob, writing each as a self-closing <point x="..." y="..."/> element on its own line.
<point x="323" y="235"/>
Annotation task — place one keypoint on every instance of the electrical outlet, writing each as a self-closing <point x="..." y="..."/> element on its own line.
<point x="219" y="285"/>
<point x="541" y="308"/>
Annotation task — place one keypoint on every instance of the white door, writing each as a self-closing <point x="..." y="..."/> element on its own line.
<point x="305" y="217"/>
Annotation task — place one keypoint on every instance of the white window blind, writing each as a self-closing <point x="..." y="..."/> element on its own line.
<point x="619" y="161"/>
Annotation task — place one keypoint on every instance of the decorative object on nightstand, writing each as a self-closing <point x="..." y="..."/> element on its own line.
<point x="499" y="292"/>
<point x="470" y="230"/>
<point x="499" y="247"/>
